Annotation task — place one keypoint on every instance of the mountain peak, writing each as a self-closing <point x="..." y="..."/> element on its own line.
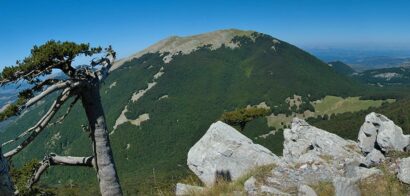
<point x="175" y="44"/>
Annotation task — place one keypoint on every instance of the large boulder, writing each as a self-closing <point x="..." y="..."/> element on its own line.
<point x="380" y="132"/>
<point x="223" y="152"/>
<point x="306" y="144"/>
<point x="404" y="170"/>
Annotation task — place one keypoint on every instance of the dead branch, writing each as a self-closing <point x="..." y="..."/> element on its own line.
<point x="64" y="96"/>
<point x="70" y="107"/>
<point x="105" y="63"/>
<point x="45" y="117"/>
<point x="53" y="159"/>
<point x="46" y="92"/>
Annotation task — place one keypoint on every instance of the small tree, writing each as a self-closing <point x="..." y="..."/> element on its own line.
<point x="82" y="83"/>
<point x="240" y="117"/>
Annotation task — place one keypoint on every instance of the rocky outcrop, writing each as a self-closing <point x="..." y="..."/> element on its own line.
<point x="223" y="152"/>
<point x="404" y="170"/>
<point x="307" y="144"/>
<point x="381" y="133"/>
<point x="310" y="156"/>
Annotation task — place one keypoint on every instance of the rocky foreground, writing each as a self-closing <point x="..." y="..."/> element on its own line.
<point x="314" y="162"/>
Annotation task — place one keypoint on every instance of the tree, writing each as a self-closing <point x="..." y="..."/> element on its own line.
<point x="81" y="83"/>
<point x="240" y="117"/>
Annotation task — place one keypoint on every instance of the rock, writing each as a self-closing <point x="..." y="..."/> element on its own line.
<point x="305" y="190"/>
<point x="404" y="170"/>
<point x="345" y="187"/>
<point x="223" y="152"/>
<point x="367" y="134"/>
<point x="185" y="189"/>
<point x="272" y="191"/>
<point x="305" y="143"/>
<point x="379" y="131"/>
<point x="250" y="186"/>
<point x="252" y="189"/>
<point x="373" y="158"/>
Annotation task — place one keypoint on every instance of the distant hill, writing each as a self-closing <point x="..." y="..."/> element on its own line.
<point x="161" y="100"/>
<point x="341" y="68"/>
<point x="364" y="59"/>
<point x="387" y="76"/>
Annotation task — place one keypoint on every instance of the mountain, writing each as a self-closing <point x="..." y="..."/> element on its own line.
<point x="161" y="100"/>
<point x="341" y="68"/>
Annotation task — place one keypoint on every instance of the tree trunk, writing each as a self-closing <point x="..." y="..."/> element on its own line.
<point x="6" y="185"/>
<point x="106" y="170"/>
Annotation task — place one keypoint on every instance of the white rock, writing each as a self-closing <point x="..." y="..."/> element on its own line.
<point x="305" y="190"/>
<point x="387" y="135"/>
<point x="307" y="144"/>
<point x="185" y="189"/>
<point x="404" y="170"/>
<point x="373" y="158"/>
<point x="272" y="190"/>
<point x="225" y="151"/>
<point x="250" y="186"/>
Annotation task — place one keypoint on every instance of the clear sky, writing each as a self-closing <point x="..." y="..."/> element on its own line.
<point x="133" y="25"/>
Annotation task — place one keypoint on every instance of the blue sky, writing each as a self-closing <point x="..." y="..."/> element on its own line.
<point x="133" y="25"/>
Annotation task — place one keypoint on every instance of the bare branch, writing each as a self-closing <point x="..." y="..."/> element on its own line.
<point x="53" y="159"/>
<point x="64" y="96"/>
<point x="105" y="63"/>
<point x="70" y="107"/>
<point x="46" y="92"/>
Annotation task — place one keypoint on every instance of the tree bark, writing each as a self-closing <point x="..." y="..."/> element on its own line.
<point x="6" y="185"/>
<point x="105" y="165"/>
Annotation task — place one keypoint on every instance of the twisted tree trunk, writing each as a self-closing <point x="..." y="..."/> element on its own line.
<point x="106" y="170"/>
<point x="6" y="185"/>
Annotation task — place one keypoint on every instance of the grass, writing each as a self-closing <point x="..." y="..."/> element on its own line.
<point x="235" y="187"/>
<point x="327" y="106"/>
<point x="336" y="105"/>
<point x="323" y="188"/>
<point x="385" y="184"/>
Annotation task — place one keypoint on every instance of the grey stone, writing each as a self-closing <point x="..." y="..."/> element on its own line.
<point x="404" y="170"/>
<point x="378" y="130"/>
<point x="272" y="190"/>
<point x="225" y="152"/>
<point x="374" y="158"/>
<point x="345" y="187"/>
<point x="307" y="144"/>
<point x="305" y="190"/>
<point x="250" y="186"/>
<point x="185" y="189"/>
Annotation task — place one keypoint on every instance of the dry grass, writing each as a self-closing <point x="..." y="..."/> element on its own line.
<point x="236" y="187"/>
<point x="324" y="188"/>
<point x="397" y="154"/>
<point x="386" y="184"/>
<point x="327" y="158"/>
